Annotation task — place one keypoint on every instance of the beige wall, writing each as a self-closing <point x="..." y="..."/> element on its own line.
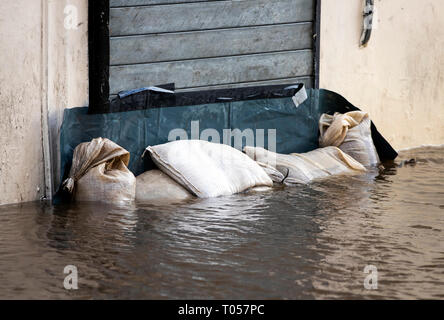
<point x="21" y="154"/>
<point x="43" y="70"/>
<point x="399" y="77"/>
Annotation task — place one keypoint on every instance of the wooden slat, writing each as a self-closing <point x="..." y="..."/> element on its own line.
<point x="205" y="44"/>
<point x="129" y="3"/>
<point x="211" y="15"/>
<point x="308" y="81"/>
<point x="213" y="71"/>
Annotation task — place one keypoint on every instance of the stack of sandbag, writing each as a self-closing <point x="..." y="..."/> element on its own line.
<point x="99" y="172"/>
<point x="156" y="186"/>
<point x="351" y="133"/>
<point x="304" y="167"/>
<point x="208" y="169"/>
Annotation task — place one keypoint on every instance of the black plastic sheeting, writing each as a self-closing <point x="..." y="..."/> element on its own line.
<point x="154" y="115"/>
<point x="146" y="99"/>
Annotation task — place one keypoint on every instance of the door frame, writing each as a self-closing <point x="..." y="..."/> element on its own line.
<point x="99" y="53"/>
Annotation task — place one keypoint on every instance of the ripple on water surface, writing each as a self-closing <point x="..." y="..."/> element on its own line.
<point x="292" y="242"/>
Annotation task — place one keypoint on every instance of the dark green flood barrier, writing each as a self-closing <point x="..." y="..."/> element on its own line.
<point x="296" y="127"/>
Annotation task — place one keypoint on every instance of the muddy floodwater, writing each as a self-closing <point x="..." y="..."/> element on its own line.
<point x="300" y="242"/>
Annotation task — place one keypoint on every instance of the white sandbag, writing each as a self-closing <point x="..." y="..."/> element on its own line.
<point x="208" y="169"/>
<point x="99" y="173"/>
<point x="351" y="132"/>
<point x="307" y="167"/>
<point x="258" y="190"/>
<point x="154" y="185"/>
<point x="272" y="172"/>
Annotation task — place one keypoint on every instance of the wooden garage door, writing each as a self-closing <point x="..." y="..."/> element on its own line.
<point x="210" y="44"/>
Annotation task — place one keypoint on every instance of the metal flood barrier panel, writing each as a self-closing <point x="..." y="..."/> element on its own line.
<point x="211" y="44"/>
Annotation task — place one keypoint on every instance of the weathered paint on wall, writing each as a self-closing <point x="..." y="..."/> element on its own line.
<point x="67" y="69"/>
<point x="21" y="155"/>
<point x="43" y="71"/>
<point x="399" y="77"/>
